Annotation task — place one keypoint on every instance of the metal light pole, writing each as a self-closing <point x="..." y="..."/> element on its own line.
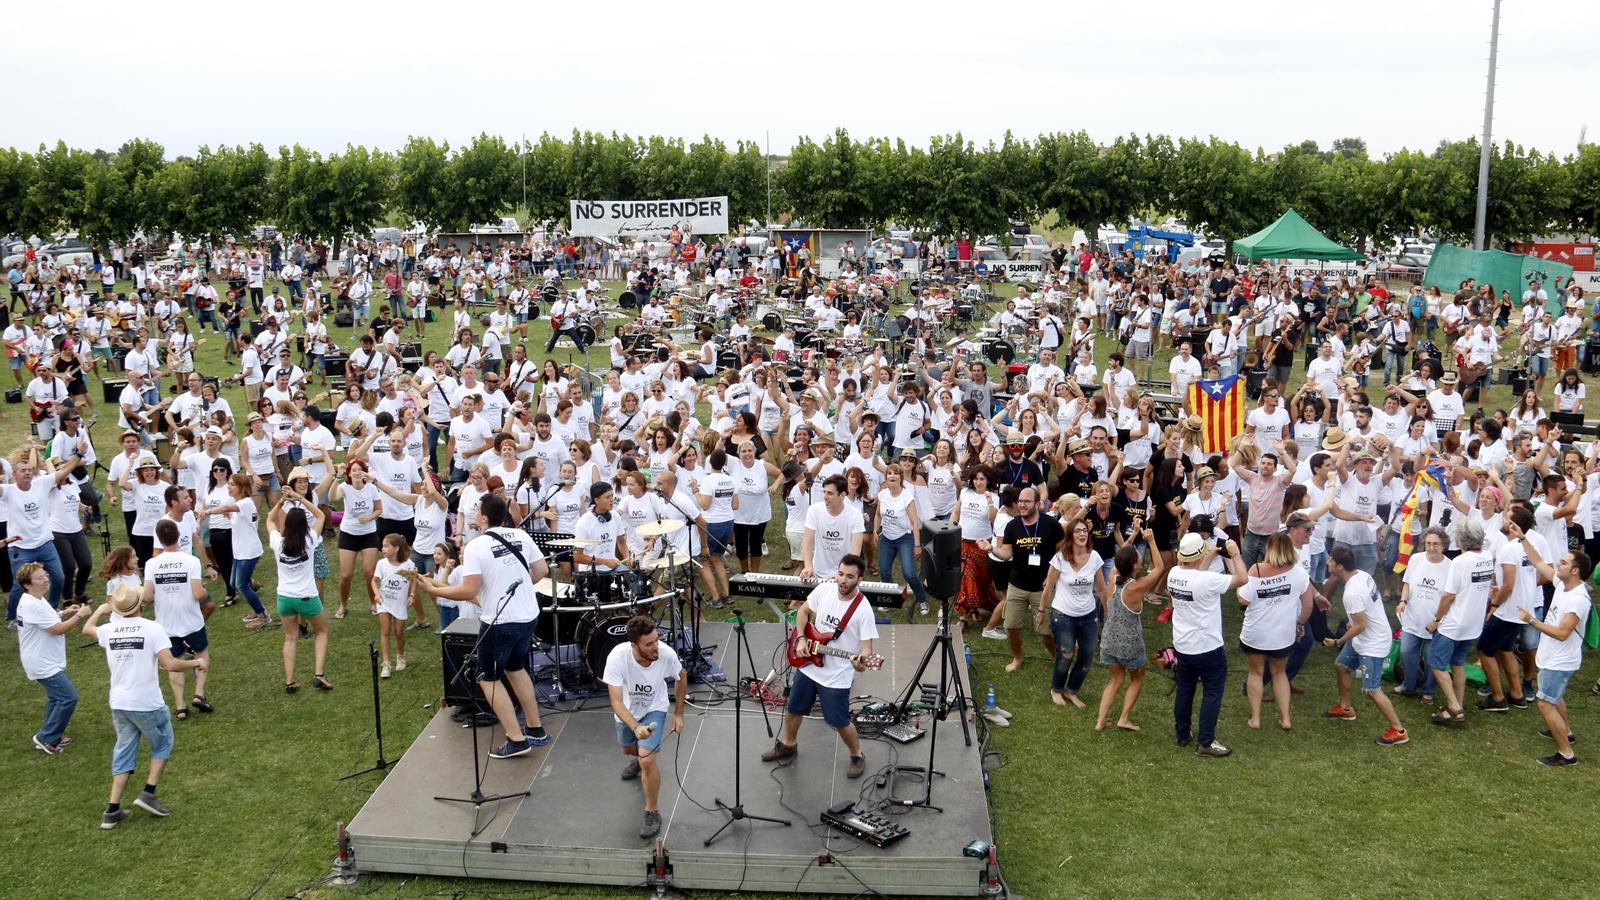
<point x="768" y="223"/>
<point x="1479" y="229"/>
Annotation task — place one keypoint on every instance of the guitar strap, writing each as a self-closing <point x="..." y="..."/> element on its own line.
<point x="848" y="613"/>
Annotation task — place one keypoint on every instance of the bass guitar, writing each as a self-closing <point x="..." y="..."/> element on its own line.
<point x="818" y="649"/>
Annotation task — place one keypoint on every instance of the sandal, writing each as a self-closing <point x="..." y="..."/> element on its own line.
<point x="1442" y="717"/>
<point x="229" y="602"/>
<point x="321" y="683"/>
<point x="290" y="687"/>
<point x="340" y="614"/>
<point x="199" y="702"/>
<point x="182" y="714"/>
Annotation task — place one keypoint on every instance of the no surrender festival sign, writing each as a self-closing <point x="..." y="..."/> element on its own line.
<point x="605" y="218"/>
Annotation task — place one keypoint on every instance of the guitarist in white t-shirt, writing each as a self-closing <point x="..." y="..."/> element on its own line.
<point x="835" y="617"/>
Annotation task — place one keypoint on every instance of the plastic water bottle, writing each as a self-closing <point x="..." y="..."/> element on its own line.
<point x="989" y="702"/>
<point x="968" y="648"/>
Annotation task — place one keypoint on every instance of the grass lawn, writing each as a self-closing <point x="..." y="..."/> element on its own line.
<point x="1320" y="811"/>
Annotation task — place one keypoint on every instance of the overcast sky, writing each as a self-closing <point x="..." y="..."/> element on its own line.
<point x="1399" y="73"/>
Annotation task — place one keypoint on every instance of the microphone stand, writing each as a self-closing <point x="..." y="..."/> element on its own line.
<point x="377" y="720"/>
<point x="477" y="798"/>
<point x="736" y="811"/>
<point x="692" y="630"/>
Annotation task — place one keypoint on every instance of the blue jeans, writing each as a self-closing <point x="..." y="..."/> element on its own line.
<point x="430" y="434"/>
<point x="46" y="554"/>
<point x="1076" y="639"/>
<point x="60" y="699"/>
<point x="1393" y="367"/>
<point x="242" y="570"/>
<point x="1319" y="567"/>
<point x="1366" y="555"/>
<point x="1300" y="652"/>
<point x="890" y="549"/>
<point x="1255" y="546"/>
<point x="1210" y="670"/>
<point x="1414" y="674"/>
<point x="154" y="725"/>
<point x="448" y="615"/>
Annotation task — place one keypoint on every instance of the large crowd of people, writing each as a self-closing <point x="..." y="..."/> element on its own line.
<point x="1078" y="477"/>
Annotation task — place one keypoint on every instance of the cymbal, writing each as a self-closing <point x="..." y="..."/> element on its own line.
<point x="657" y="529"/>
<point x="574" y="542"/>
<point x="549" y="587"/>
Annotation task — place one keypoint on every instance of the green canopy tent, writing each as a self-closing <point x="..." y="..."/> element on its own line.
<point x="1292" y="237"/>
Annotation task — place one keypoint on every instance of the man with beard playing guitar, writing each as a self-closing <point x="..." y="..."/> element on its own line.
<point x="843" y="631"/>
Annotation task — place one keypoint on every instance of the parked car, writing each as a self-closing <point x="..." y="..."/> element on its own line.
<point x="506" y="225"/>
<point x="1414" y="256"/>
<point x="69" y="251"/>
<point x="1029" y="246"/>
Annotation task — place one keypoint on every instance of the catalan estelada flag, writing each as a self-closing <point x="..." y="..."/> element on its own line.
<point x="1220" y="405"/>
<point x="1430" y="477"/>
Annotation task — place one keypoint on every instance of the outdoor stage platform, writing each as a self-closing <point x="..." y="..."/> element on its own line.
<point x="581" y="823"/>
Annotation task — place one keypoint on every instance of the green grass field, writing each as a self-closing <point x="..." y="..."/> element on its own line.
<point x="1321" y="811"/>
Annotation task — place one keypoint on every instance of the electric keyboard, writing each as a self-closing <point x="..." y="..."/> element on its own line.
<point x="874" y="828"/>
<point x="881" y="594"/>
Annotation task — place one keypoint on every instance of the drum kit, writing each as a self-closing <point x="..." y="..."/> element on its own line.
<point x="590" y="611"/>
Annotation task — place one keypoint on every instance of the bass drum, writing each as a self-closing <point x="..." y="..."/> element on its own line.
<point x="772" y="322"/>
<point x="1000" y="350"/>
<point x="628" y="300"/>
<point x="598" y="633"/>
<point x="585" y="333"/>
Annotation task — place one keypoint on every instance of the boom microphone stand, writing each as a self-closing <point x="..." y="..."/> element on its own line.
<point x="377" y="718"/>
<point x="477" y="798"/>
<point x="691" y="631"/>
<point x="736" y="811"/>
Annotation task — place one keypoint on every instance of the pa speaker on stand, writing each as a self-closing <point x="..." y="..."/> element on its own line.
<point x="941" y="557"/>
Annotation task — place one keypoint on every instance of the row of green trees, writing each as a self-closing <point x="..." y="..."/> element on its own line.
<point x="950" y="186"/>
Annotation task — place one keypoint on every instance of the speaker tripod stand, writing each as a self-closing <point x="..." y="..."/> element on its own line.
<point x="949" y="694"/>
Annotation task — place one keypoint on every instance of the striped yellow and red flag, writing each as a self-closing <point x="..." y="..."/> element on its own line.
<point x="1220" y="404"/>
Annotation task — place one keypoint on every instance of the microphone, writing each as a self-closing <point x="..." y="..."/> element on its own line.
<point x="659" y="492"/>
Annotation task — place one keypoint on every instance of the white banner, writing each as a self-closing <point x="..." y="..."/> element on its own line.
<point x="1589" y="281"/>
<point x="1022" y="269"/>
<point x="607" y="218"/>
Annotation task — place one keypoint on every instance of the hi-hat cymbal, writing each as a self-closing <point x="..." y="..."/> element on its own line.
<point x="574" y="542"/>
<point x="670" y="561"/>
<point x="657" y="529"/>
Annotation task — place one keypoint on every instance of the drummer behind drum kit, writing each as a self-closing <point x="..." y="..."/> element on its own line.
<point x="581" y="620"/>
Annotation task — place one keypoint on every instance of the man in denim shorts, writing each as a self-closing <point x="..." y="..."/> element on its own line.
<point x="838" y="610"/>
<point x="1364" y="646"/>
<point x="134" y="648"/>
<point x="636" y="675"/>
<point x="1560" y="643"/>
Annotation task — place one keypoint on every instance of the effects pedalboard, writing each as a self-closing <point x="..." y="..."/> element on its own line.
<point x="874" y="828"/>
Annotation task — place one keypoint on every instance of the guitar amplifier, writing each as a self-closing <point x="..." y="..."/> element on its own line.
<point x="460" y="666"/>
<point x="111" y="390"/>
<point x="344" y="319"/>
<point x="14" y="395"/>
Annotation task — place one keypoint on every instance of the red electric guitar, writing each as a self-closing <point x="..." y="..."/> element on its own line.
<point x="819" y="649"/>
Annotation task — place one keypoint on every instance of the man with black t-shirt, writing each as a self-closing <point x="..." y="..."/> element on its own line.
<point x="1029" y="542"/>
<point x="1018" y="469"/>
<point x="1080" y="475"/>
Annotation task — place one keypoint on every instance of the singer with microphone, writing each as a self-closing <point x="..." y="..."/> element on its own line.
<point x="636" y="676"/>
<point x="498" y="570"/>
